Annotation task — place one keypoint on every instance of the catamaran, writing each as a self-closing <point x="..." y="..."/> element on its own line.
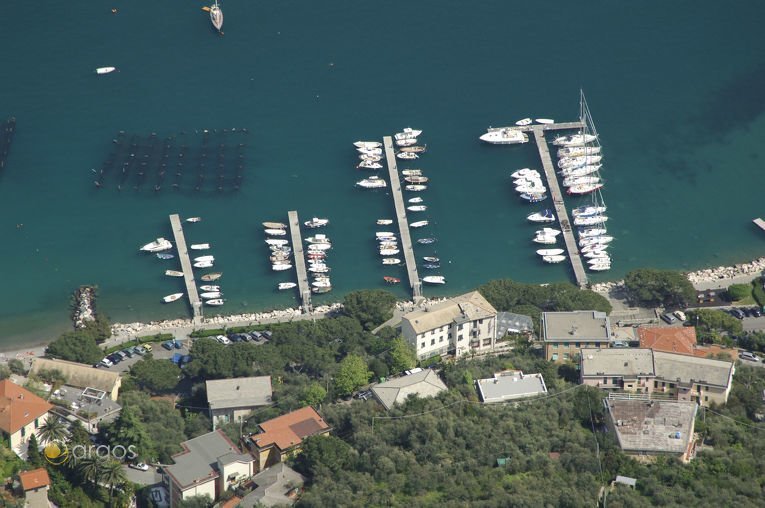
<point x="216" y="16"/>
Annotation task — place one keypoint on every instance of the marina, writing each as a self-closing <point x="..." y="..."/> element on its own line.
<point x="300" y="269"/>
<point x="188" y="271"/>
<point x="403" y="224"/>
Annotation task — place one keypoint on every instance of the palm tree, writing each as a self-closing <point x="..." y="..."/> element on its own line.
<point x="91" y="467"/>
<point x="113" y="475"/>
<point x="53" y="430"/>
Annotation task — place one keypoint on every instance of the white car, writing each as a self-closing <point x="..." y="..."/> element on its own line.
<point x="223" y="340"/>
<point x="140" y="466"/>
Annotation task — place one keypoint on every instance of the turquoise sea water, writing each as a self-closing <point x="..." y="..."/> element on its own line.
<point x="676" y="91"/>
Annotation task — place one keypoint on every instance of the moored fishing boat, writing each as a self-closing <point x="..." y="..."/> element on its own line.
<point x="173" y="273"/>
<point x="418" y="224"/>
<point x="209" y="288"/>
<point x="319" y="246"/>
<point x="406" y="142"/>
<point x="416" y="179"/>
<point x="416" y="187"/>
<point x="275" y="232"/>
<point x="553" y="259"/>
<point x="280" y="267"/>
<point x="391" y="261"/>
<point x="417" y="208"/>
<point x="215" y="303"/>
<point x="384" y="222"/>
<point x="209" y="277"/>
<point x="274" y="225"/>
<point x="545" y="239"/>
<point x="277" y="241"/>
<point x="434" y="279"/>
<point x="389" y="252"/>
<point x="417" y="199"/>
<point x="200" y="246"/>
<point x="391" y="280"/>
<point x="205" y="258"/>
<point x="550" y="252"/>
<point x="600" y="267"/>
<point x="172" y="298"/>
<point x="321" y="290"/>
<point x="544" y="120"/>
<point x="548" y="231"/>
<point x="203" y="264"/>
<point x="286" y="285"/>
<point x="210" y="295"/>
<point x="534" y="198"/>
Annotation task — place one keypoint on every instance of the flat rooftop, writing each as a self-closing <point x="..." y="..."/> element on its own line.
<point x="652" y="425"/>
<point x="239" y="392"/>
<point x="198" y="462"/>
<point x="692" y="369"/>
<point x="577" y="325"/>
<point x="627" y="362"/>
<point x="510" y="385"/>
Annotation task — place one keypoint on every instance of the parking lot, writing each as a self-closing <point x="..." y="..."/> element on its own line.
<point x="158" y="352"/>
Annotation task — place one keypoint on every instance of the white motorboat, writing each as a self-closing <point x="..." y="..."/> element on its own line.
<point x="580" y="171"/>
<point x="531" y="189"/>
<point x="211" y="295"/>
<point x="407" y="155"/>
<point x="418" y="199"/>
<point x="209" y="288"/>
<point x="590" y="232"/>
<point x="574" y="140"/>
<point x="277" y="241"/>
<point x="214" y="303"/>
<point x="550" y="252"/>
<point x="173" y="273"/>
<point x="275" y="232"/>
<point x="200" y="246"/>
<point x="373" y="182"/>
<point x="388" y="245"/>
<point x="318" y="269"/>
<point x="593" y="254"/>
<point x="370" y="150"/>
<point x="534" y="198"/>
<point x="580" y="180"/>
<point x="504" y="136"/>
<point x="584" y="188"/>
<point x="316" y="254"/>
<point x="384" y="222"/>
<point x="543" y="216"/>
<point x="524" y="121"/>
<point x="105" y="70"/>
<point x="593" y="248"/>
<point x="319" y="246"/>
<point x="578" y="162"/>
<point x="384" y="234"/>
<point x="172" y="298"/>
<point x="316" y="223"/>
<point x="418" y="224"/>
<point x="369" y="165"/>
<point x="157" y="245"/>
<point x="209" y="277"/>
<point x="286" y="285"/>
<point x="523" y="172"/>
<point x="205" y="258"/>
<point x="367" y="144"/>
<point x="406" y="142"/>
<point x="318" y="238"/>
<point x="600" y="259"/>
<point x="553" y="259"/>
<point x="417" y="208"/>
<point x="434" y="279"/>
<point x="280" y="267"/>
<point x="431" y="259"/>
<point x="274" y="225"/>
<point x="548" y="231"/>
<point x="408" y="133"/>
<point x="370" y="158"/>
<point x="602" y="267"/>
<point x="321" y="284"/>
<point x="416" y="187"/>
<point x="545" y="239"/>
<point x="391" y="261"/>
<point x="216" y="16"/>
<point x="194" y="219"/>
<point x="389" y="252"/>
<point x="544" y="120"/>
<point x="582" y="211"/>
<point x="411" y="172"/>
<point x="416" y="179"/>
<point x="596" y="240"/>
<point x="590" y="220"/>
<point x="203" y="264"/>
<point x="578" y="151"/>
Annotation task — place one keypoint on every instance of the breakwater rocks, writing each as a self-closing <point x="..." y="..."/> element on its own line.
<point x="728" y="272"/>
<point x="235" y="320"/>
<point x="607" y="287"/>
<point x="84" y="306"/>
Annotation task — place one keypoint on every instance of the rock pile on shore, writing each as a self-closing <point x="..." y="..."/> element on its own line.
<point x="606" y="287"/>
<point x="84" y="306"/>
<point x="728" y="272"/>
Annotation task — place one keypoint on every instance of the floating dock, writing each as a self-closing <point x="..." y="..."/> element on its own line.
<point x="403" y="223"/>
<point x="557" y="197"/>
<point x="299" y="257"/>
<point x="188" y="270"/>
<point x="760" y="223"/>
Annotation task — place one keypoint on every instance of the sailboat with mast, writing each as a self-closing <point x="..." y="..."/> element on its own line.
<point x="216" y="16"/>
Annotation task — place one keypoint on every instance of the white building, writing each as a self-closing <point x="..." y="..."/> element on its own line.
<point x="231" y="400"/>
<point x="460" y="325"/>
<point x="510" y="385"/>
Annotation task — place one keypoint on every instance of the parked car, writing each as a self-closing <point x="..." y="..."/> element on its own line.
<point x="139" y="350"/>
<point x="121" y="354"/>
<point x="128" y="352"/>
<point x="680" y="315"/>
<point x="267" y="334"/>
<point x="147" y="347"/>
<point x="223" y="340"/>
<point x="668" y="318"/>
<point x="745" y="311"/>
<point x="168" y="344"/>
<point x="756" y="312"/>
<point x="106" y="363"/>
<point x="747" y="355"/>
<point x="140" y="466"/>
<point x="115" y="358"/>
<point x="363" y="395"/>
<point x="177" y="344"/>
<point x="737" y="313"/>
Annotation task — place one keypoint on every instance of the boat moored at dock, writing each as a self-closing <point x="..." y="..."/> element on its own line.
<point x="172" y="298"/>
<point x="505" y="136"/>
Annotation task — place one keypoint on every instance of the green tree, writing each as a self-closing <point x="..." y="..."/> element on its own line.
<point x="75" y="347"/>
<point x="369" y="307"/>
<point x="739" y="291"/>
<point x="155" y="375"/>
<point x="34" y="457"/>
<point x="53" y="429"/>
<point x="196" y="424"/>
<point x="197" y="502"/>
<point x="402" y="356"/>
<point x="351" y="374"/>
<point x="651" y="287"/>
<point x="128" y="431"/>
<point x="5" y="372"/>
<point x="113" y="475"/>
<point x="17" y="367"/>
<point x="313" y="395"/>
<point x="710" y="321"/>
<point x="91" y="467"/>
<point x="78" y="435"/>
<point x="325" y="451"/>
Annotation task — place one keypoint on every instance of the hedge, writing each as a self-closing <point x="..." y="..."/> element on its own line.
<point x="758" y="292"/>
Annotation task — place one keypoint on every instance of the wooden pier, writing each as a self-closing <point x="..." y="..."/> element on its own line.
<point x="557" y="197"/>
<point x="403" y="223"/>
<point x="299" y="257"/>
<point x="188" y="270"/>
<point x="760" y="223"/>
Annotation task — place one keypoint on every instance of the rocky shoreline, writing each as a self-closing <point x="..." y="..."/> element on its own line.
<point x="84" y="306"/>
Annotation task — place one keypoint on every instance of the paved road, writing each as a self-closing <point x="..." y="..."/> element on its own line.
<point x="149" y="477"/>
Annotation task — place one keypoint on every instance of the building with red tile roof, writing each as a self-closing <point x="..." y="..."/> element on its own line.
<point x="21" y="414"/>
<point x="670" y="339"/>
<point x="35" y="484"/>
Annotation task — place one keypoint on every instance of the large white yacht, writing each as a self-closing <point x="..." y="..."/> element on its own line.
<point x="216" y="16"/>
<point x="157" y="245"/>
<point x="505" y="136"/>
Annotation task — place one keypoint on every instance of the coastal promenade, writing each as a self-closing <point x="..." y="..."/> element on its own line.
<point x="188" y="271"/>
<point x="559" y="204"/>
<point x="298" y="255"/>
<point x="403" y="223"/>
